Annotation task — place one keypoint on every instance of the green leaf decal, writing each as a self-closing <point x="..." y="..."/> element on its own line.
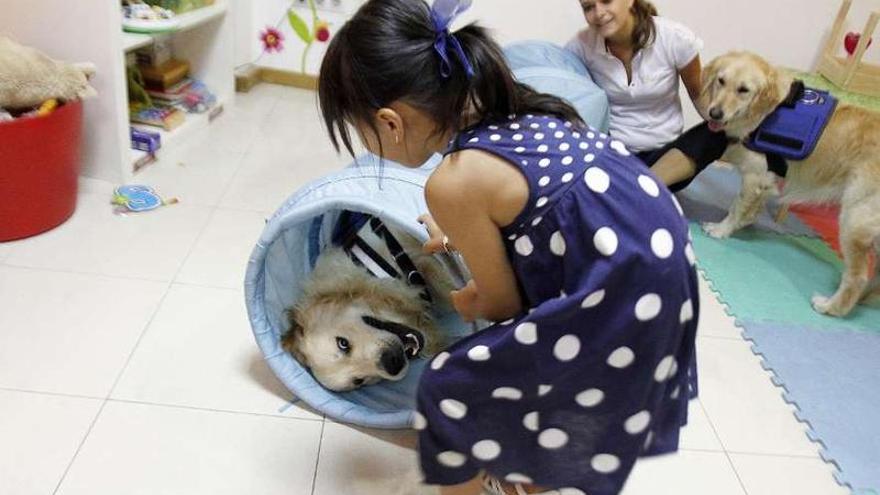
<point x="299" y="26"/>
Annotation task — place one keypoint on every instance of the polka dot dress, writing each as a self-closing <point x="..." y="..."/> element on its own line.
<point x="599" y="370"/>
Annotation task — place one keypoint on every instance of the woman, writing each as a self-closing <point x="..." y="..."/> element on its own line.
<point x="639" y="59"/>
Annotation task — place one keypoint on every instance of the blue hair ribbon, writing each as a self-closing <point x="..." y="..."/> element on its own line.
<point x="443" y="12"/>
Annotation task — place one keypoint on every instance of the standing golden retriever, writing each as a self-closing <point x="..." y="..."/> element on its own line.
<point x="739" y="91"/>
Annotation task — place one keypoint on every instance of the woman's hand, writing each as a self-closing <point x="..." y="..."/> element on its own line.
<point x="438" y="242"/>
<point x="466" y="301"/>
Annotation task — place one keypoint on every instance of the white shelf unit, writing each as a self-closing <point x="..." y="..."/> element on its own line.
<point x="92" y="32"/>
<point x="203" y="37"/>
<point x="133" y="41"/>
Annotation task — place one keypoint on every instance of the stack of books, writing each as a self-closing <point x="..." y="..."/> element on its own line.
<point x="164" y="79"/>
<point x="164" y="76"/>
<point x="189" y="95"/>
<point x="167" y="83"/>
<point x="171" y="96"/>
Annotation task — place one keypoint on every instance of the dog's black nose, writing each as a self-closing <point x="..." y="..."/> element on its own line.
<point x="393" y="360"/>
<point x="716" y="113"/>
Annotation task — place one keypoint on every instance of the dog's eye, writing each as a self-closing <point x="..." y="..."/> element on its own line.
<point x="343" y="344"/>
<point x="357" y="382"/>
<point x="742" y="90"/>
<point x="721" y="81"/>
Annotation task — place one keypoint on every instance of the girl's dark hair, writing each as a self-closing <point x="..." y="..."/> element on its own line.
<point x="385" y="53"/>
<point x="645" y="31"/>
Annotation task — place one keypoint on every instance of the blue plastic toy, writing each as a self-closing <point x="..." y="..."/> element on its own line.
<point x="139" y="198"/>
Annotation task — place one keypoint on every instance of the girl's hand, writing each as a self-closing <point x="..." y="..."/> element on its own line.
<point x="438" y="242"/>
<point x="465" y="301"/>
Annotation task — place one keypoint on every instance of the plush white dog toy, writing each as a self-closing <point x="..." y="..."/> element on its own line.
<point x="28" y="77"/>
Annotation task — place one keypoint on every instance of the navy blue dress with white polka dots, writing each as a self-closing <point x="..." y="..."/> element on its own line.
<point x="599" y="370"/>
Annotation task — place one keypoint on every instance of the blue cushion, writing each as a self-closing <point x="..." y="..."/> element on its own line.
<point x="551" y="69"/>
<point x="533" y="53"/>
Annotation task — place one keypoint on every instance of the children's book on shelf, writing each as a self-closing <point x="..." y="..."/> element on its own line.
<point x="173" y="95"/>
<point x="189" y="95"/>
<point x="168" y="118"/>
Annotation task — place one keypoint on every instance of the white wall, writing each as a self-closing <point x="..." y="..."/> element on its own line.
<point x="242" y="12"/>
<point x="787" y="32"/>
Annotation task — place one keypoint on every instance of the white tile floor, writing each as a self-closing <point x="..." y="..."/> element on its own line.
<point x="127" y="365"/>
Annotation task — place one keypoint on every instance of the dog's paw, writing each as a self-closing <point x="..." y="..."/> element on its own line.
<point x="718" y="230"/>
<point x="823" y="305"/>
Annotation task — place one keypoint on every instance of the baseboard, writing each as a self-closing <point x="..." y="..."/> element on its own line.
<point x="288" y="78"/>
<point x="248" y="77"/>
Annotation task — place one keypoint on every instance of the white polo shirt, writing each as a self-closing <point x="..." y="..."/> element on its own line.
<point x="646" y="114"/>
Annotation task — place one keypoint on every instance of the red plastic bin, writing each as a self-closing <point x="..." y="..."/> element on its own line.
<point x="39" y="166"/>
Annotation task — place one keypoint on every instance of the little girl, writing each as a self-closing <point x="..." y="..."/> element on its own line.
<point x="576" y="250"/>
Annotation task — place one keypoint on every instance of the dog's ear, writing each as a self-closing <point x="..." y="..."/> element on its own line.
<point x="406" y="333"/>
<point x="387" y="325"/>
<point x="290" y="341"/>
<point x="770" y="95"/>
<point x="707" y="80"/>
<point x="710" y="73"/>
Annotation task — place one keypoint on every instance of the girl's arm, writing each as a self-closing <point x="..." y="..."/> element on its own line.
<point x="466" y="198"/>
<point x="691" y="76"/>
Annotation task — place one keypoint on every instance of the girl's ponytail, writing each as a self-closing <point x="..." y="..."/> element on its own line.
<point x="494" y="93"/>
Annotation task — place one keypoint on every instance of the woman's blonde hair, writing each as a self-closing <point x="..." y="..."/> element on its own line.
<point x="645" y="31"/>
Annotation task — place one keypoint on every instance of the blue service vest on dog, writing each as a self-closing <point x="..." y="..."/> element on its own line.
<point x="792" y="131"/>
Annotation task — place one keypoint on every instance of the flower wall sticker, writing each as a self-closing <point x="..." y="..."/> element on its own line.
<point x="273" y="40"/>
<point x="319" y="30"/>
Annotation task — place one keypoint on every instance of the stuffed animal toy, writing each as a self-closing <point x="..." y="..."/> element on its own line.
<point x="28" y="77"/>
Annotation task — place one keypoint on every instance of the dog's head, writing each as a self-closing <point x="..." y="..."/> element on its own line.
<point x="739" y="90"/>
<point x="349" y="346"/>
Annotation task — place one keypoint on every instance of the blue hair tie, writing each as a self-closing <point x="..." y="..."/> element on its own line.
<point x="443" y="12"/>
